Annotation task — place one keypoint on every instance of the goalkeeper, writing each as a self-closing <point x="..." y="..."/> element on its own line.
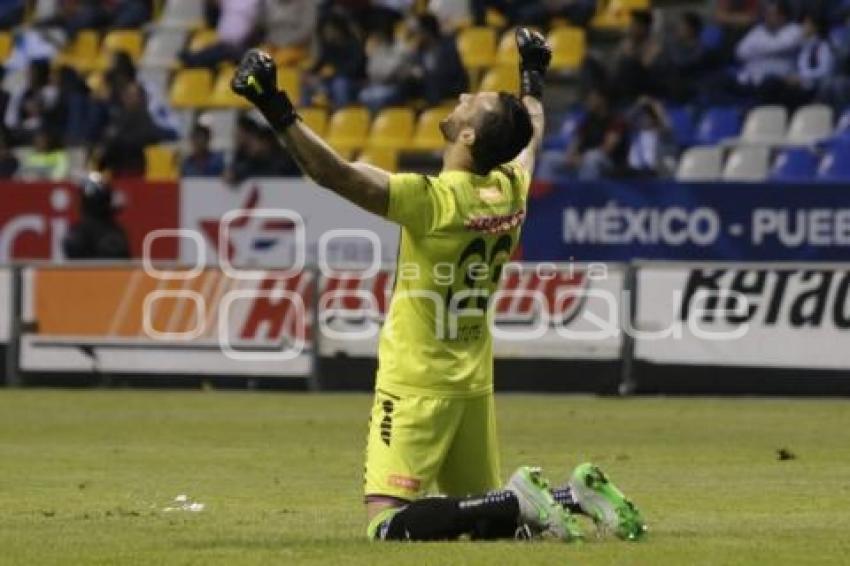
<point x="433" y="423"/>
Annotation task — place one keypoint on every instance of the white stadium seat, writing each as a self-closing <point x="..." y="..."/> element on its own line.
<point x="701" y="163"/>
<point x="810" y="124"/>
<point x="765" y="124"/>
<point x="747" y="164"/>
<point x="45" y="9"/>
<point x="222" y="124"/>
<point x="162" y="47"/>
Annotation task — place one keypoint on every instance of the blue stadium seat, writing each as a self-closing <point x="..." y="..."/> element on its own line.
<point x="797" y="164"/>
<point x="682" y="122"/>
<point x="835" y="166"/>
<point x="843" y="127"/>
<point x="717" y="124"/>
<point x="561" y="140"/>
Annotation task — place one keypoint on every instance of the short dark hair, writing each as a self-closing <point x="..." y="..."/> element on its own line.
<point x="428" y="24"/>
<point x="501" y="134"/>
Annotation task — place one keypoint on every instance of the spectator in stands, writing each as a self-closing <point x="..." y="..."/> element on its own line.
<point x="452" y="14"/>
<point x="8" y="161"/>
<point x="24" y="115"/>
<point x="12" y="13"/>
<point x="687" y="57"/>
<point x="98" y="234"/>
<point x="257" y="153"/>
<point x="235" y="27"/>
<point x="385" y="66"/>
<point x="339" y="64"/>
<point x="130" y="14"/>
<point x="289" y="26"/>
<point x="651" y="147"/>
<point x="47" y="160"/>
<point x="598" y="148"/>
<point x="202" y="161"/>
<point x="735" y="18"/>
<point x="436" y="72"/>
<point x="771" y="48"/>
<point x="639" y="63"/>
<point x="815" y="65"/>
<point x="122" y="151"/>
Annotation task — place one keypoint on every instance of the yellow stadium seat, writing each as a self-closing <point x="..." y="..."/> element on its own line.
<point x="381" y="157"/>
<point x="161" y="163"/>
<point x="506" y="53"/>
<point x="636" y="4"/>
<point x="392" y="129"/>
<point x="222" y="96"/>
<point x="202" y="38"/>
<point x="82" y="52"/>
<point x="428" y="136"/>
<point x="348" y="129"/>
<point x="315" y="118"/>
<point x="5" y="45"/>
<point x="501" y="78"/>
<point x="289" y="81"/>
<point x="191" y="88"/>
<point x="612" y="15"/>
<point x="477" y="47"/>
<point x="568" y="47"/>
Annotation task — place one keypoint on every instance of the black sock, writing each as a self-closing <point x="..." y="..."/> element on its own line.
<point x="564" y="495"/>
<point x="490" y="516"/>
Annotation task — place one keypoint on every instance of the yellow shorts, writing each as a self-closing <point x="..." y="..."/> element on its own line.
<point x="419" y="445"/>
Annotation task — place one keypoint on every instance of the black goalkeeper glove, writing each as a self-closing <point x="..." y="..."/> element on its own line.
<point x="534" y="57"/>
<point x="256" y="80"/>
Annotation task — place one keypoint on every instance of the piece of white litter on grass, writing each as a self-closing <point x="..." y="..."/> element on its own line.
<point x="182" y="498"/>
<point x="195" y="507"/>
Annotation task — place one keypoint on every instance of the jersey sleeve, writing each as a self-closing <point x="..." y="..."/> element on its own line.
<point x="416" y="202"/>
<point x="520" y="177"/>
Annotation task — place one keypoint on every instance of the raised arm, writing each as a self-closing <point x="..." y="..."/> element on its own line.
<point x="535" y="55"/>
<point x="363" y="185"/>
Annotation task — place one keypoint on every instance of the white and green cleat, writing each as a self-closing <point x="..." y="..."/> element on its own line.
<point x="538" y="508"/>
<point x="605" y="503"/>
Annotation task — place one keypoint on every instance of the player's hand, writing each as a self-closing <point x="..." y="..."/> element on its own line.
<point x="534" y="58"/>
<point x="256" y="80"/>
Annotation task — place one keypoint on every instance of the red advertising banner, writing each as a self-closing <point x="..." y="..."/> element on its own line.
<point x="34" y="217"/>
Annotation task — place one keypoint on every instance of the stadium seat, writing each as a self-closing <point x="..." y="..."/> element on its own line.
<point x="428" y="136"/>
<point x="161" y="163"/>
<point x="289" y="80"/>
<point x="835" y="166"/>
<point x="392" y="129"/>
<point x="315" y="118"/>
<point x="765" y="124"/>
<point x="501" y="78"/>
<point x="162" y="47"/>
<point x="568" y="47"/>
<point x="700" y="164"/>
<point x="191" y="88"/>
<point x="129" y="40"/>
<point x="221" y="95"/>
<point x="717" y="124"/>
<point x="82" y="52"/>
<point x="810" y="124"/>
<point x="795" y="164"/>
<point x="612" y="15"/>
<point x="5" y="45"/>
<point x="747" y="164"/>
<point x="682" y="123"/>
<point x="477" y="47"/>
<point x="348" y="129"/>
<point x="506" y="52"/>
<point x="182" y="14"/>
<point x="382" y="157"/>
<point x="44" y="9"/>
<point x="202" y="39"/>
<point x="843" y="126"/>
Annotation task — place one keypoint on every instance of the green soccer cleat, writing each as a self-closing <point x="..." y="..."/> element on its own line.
<point x="538" y="509"/>
<point x="605" y="504"/>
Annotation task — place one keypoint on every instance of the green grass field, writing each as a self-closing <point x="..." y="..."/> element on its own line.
<point x="85" y="476"/>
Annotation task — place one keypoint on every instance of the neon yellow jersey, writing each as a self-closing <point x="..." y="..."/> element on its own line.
<point x="458" y="230"/>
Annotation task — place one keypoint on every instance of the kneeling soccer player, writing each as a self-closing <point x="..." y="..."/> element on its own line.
<point x="433" y="422"/>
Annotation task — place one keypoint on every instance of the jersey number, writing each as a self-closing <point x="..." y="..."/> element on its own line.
<point x="477" y="252"/>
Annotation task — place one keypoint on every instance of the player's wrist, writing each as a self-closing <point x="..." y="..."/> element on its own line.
<point x="277" y="109"/>
<point x="532" y="81"/>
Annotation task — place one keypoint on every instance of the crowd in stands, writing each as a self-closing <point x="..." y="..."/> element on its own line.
<point x="383" y="53"/>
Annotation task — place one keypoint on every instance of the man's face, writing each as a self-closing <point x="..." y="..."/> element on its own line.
<point x="467" y="113"/>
